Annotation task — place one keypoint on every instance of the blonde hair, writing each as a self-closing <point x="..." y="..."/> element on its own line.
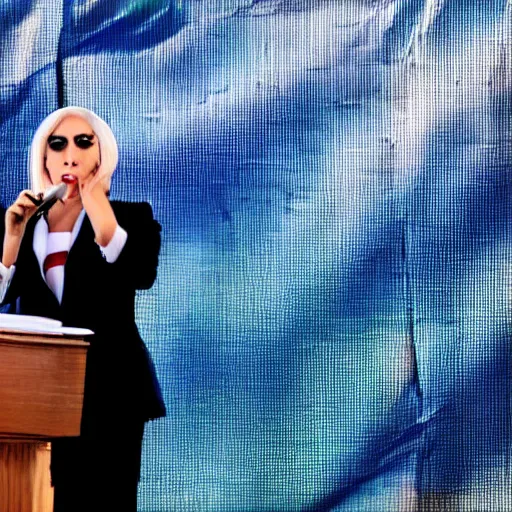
<point x="107" y="143"/>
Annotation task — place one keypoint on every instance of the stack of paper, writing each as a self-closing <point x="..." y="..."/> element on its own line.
<point x="38" y="324"/>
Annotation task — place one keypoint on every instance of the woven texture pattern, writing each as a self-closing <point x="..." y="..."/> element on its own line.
<point x="331" y="321"/>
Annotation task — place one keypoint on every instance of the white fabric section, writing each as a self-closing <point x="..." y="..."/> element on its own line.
<point x="55" y="281"/>
<point x="56" y="242"/>
<point x="41" y="236"/>
<point x="6" y="275"/>
<point x="112" y="251"/>
<point x="39" y="242"/>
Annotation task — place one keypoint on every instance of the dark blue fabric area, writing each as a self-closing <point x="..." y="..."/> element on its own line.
<point x="331" y="320"/>
<point x="118" y="26"/>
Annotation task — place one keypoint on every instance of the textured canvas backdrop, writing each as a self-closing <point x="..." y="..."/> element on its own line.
<point x="331" y="321"/>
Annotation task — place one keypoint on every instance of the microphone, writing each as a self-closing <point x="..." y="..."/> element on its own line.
<point x="50" y="197"/>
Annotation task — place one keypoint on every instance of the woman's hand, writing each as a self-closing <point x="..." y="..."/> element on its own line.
<point x="97" y="206"/>
<point x="16" y="218"/>
<point x="19" y="213"/>
<point x="91" y="189"/>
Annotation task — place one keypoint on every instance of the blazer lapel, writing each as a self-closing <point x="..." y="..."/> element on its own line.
<point x="77" y="254"/>
<point x="34" y="273"/>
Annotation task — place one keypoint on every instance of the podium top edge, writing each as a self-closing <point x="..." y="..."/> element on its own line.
<point x="16" y="337"/>
<point x="9" y="438"/>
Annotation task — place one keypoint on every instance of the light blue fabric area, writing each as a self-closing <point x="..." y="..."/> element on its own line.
<point x="331" y="321"/>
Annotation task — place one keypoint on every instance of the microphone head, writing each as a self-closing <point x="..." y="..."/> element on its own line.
<point x="57" y="192"/>
<point x="50" y="197"/>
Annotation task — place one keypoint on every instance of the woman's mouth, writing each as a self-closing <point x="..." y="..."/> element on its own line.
<point x="71" y="181"/>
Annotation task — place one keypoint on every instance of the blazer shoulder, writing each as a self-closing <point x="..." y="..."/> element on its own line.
<point x="134" y="208"/>
<point x="132" y="212"/>
<point x="138" y="216"/>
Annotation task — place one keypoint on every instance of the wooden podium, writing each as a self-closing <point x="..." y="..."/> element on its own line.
<point x="41" y="396"/>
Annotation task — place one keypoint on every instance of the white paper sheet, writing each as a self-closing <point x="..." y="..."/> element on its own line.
<point x="39" y="324"/>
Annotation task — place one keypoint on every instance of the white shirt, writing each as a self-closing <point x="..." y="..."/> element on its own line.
<point x="44" y="243"/>
<point x="56" y="242"/>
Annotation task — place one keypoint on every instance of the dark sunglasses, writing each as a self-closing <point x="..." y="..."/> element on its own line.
<point x="82" y="141"/>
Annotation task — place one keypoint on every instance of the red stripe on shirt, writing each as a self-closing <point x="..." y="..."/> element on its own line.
<point x="54" y="260"/>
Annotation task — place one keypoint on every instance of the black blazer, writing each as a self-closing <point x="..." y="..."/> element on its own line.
<point x="120" y="382"/>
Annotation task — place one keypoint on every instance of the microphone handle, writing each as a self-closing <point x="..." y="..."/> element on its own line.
<point x="50" y="198"/>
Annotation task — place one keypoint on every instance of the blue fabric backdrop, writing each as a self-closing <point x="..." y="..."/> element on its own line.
<point x="331" y="322"/>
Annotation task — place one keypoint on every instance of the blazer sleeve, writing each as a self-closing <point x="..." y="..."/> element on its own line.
<point x="136" y="266"/>
<point x="10" y="291"/>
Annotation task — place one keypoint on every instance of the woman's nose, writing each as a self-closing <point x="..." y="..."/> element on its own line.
<point x="70" y="159"/>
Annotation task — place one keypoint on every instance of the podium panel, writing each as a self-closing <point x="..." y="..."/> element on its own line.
<point x="41" y="397"/>
<point x="41" y="385"/>
<point x="25" y="477"/>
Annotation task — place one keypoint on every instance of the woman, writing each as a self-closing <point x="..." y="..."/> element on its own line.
<point x="81" y="263"/>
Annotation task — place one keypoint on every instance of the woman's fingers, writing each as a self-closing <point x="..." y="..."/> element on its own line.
<point x="34" y="200"/>
<point x="28" y="201"/>
<point x="18" y="210"/>
<point x="25" y="205"/>
<point x="18" y="214"/>
<point x="90" y="181"/>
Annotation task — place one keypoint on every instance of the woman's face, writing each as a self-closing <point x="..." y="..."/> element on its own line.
<point x="72" y="148"/>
